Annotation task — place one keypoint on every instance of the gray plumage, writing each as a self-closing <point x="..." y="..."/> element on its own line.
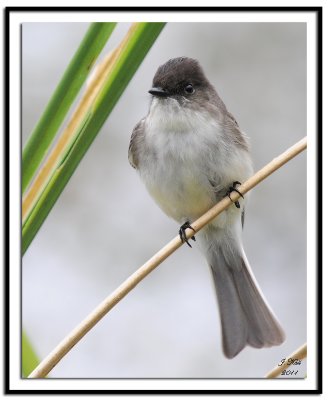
<point x="188" y="151"/>
<point x="246" y="318"/>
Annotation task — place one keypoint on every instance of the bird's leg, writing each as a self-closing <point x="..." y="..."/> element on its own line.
<point x="182" y="233"/>
<point x="234" y="189"/>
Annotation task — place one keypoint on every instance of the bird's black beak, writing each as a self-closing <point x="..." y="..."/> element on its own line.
<point x="158" y="92"/>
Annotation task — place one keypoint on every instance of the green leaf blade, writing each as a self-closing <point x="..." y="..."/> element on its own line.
<point x="133" y="54"/>
<point x="62" y="99"/>
<point x="29" y="358"/>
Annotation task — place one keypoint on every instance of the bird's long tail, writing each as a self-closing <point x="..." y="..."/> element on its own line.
<point x="246" y="318"/>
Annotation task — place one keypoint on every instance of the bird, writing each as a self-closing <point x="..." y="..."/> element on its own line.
<point x="190" y="153"/>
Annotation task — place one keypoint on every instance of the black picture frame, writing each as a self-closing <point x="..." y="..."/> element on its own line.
<point x="318" y="11"/>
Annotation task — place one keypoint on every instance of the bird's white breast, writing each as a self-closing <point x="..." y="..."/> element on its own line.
<point x="185" y="151"/>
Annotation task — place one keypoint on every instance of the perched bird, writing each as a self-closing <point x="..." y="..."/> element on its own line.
<point x="190" y="153"/>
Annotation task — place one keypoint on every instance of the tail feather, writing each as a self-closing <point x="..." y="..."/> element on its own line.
<point x="246" y="318"/>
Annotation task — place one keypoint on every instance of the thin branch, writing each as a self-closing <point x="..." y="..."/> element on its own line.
<point x="103" y="308"/>
<point x="288" y="362"/>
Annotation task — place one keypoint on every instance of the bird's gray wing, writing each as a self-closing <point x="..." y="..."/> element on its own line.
<point x="136" y="138"/>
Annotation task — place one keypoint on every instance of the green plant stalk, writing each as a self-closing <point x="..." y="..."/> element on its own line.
<point x="74" y="76"/>
<point x="129" y="60"/>
<point x="29" y="358"/>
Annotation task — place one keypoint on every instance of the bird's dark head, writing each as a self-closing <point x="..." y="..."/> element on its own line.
<point x="178" y="77"/>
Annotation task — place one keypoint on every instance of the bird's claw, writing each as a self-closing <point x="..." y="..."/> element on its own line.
<point x="234" y="189"/>
<point x="182" y="233"/>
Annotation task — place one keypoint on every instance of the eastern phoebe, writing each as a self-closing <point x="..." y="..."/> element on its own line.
<point x="190" y="153"/>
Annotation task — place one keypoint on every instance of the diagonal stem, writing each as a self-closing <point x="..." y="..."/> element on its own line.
<point x="298" y="354"/>
<point x="106" y="305"/>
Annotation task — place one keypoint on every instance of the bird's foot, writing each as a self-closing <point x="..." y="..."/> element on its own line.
<point x="182" y="233"/>
<point x="234" y="189"/>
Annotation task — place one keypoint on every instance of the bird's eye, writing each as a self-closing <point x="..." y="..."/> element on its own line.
<point x="189" y="89"/>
